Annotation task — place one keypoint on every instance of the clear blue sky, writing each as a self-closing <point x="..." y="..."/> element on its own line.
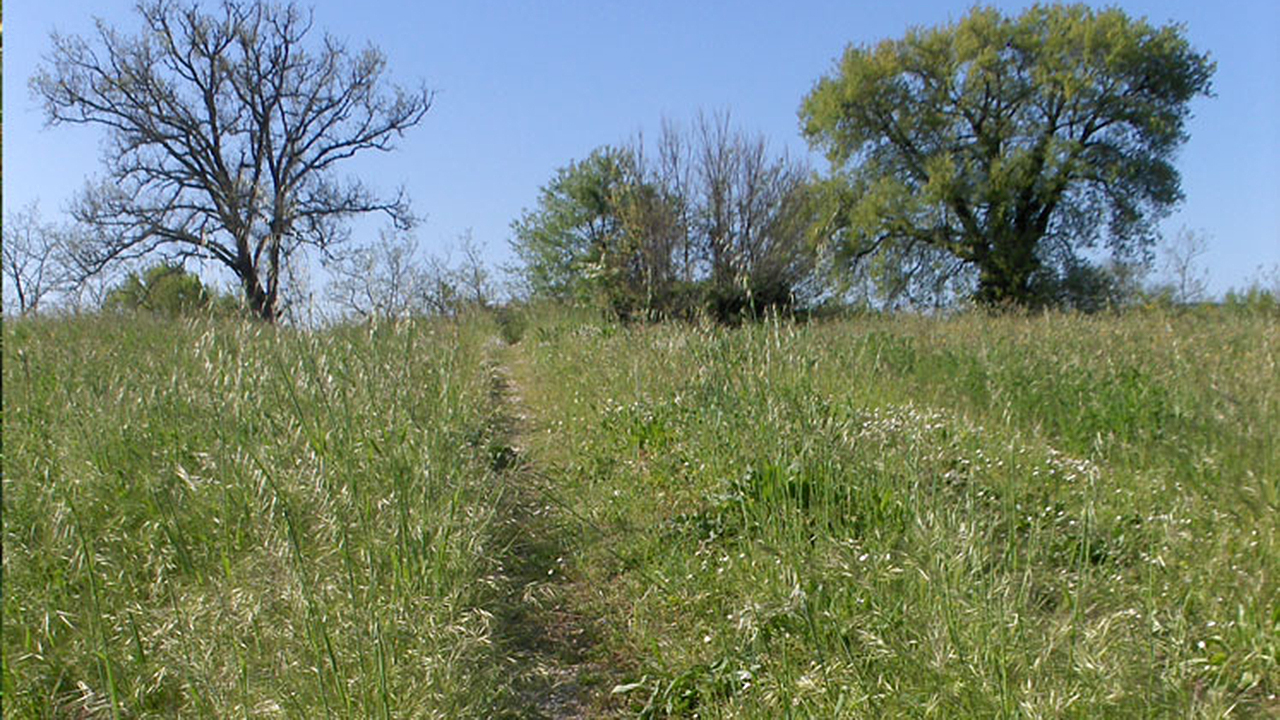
<point x="525" y="87"/>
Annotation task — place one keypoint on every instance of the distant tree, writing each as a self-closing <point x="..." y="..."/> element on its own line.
<point x="562" y="242"/>
<point x="751" y="216"/>
<point x="392" y="279"/>
<point x="1262" y="295"/>
<point x="225" y="130"/>
<point x="1181" y="261"/>
<point x="713" y="220"/>
<point x="164" y="289"/>
<point x="383" y="280"/>
<point x="1006" y="143"/>
<point x="34" y="260"/>
<point x="474" y="281"/>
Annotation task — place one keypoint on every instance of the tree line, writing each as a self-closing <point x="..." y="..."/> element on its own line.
<point x="707" y="220"/>
<point x="990" y="159"/>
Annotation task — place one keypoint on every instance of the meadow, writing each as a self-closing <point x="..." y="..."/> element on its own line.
<point x="971" y="516"/>
<point x="215" y="519"/>
<point x="1048" y="516"/>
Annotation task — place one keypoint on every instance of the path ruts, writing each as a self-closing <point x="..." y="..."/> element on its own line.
<point x="547" y="645"/>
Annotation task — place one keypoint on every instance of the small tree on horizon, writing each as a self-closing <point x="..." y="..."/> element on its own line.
<point x="1181" y="262"/>
<point x="164" y="289"/>
<point x="34" y="259"/>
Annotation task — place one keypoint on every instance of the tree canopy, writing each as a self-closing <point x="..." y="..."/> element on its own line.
<point x="225" y="130"/>
<point x="705" y="219"/>
<point x="163" y="289"/>
<point x="1005" y="145"/>
<point x="566" y="235"/>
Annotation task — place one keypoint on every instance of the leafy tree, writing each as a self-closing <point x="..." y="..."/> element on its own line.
<point x="225" y="130"/>
<point x="713" y="222"/>
<point x="165" y="289"/>
<point x="561" y="244"/>
<point x="1008" y="143"/>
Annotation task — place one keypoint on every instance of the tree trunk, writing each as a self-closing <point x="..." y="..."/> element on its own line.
<point x="262" y="304"/>
<point x="1005" y="271"/>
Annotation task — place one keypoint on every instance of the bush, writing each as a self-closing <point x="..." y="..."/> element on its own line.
<point x="168" y="289"/>
<point x="1253" y="300"/>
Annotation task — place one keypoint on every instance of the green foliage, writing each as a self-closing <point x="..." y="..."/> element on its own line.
<point x="562" y="244"/>
<point x="1050" y="515"/>
<point x="512" y="321"/>
<point x="1254" y="299"/>
<point x="714" y="226"/>
<point x="1086" y="286"/>
<point x="164" y="289"/>
<point x="1005" y="144"/>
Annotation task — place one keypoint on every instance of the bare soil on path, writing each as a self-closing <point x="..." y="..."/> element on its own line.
<point x="556" y="670"/>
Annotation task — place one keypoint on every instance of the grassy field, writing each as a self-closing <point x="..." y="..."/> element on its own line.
<point x="1050" y="516"/>
<point x="974" y="517"/>
<point x="228" y="520"/>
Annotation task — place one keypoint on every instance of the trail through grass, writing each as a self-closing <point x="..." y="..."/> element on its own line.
<point x="552" y="648"/>
<point x="1052" y="516"/>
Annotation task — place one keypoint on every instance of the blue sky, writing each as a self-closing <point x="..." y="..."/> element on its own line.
<point x="525" y="87"/>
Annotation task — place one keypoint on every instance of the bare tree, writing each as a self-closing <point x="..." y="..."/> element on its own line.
<point x="675" y="174"/>
<point x="33" y="259"/>
<point x="751" y="213"/>
<point x="473" y="278"/>
<point x="385" y="279"/>
<point x="393" y="279"/>
<point x="715" y="205"/>
<point x="224" y="133"/>
<point x="1182" y="265"/>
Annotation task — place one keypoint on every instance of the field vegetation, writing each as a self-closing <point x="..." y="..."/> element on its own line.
<point x="1047" y="515"/>
<point x="1018" y="516"/>
<point x="220" y="519"/>
<point x="904" y="437"/>
<point x="887" y="515"/>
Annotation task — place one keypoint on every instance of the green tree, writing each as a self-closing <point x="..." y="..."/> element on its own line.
<point x="1006" y="143"/>
<point x="563" y="242"/>
<point x="165" y="289"/>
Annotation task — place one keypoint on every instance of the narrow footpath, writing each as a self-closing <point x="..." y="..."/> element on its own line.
<point x="554" y="673"/>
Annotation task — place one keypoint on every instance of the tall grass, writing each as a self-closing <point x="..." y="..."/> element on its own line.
<point x="221" y="520"/>
<point x="1051" y="516"/>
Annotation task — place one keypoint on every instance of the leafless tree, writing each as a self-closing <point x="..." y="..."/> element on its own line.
<point x="1182" y="256"/>
<point x="475" y="282"/>
<point x="225" y="130"/>
<point x="34" y="260"/>
<point x="751" y="211"/>
<point x="393" y="279"/>
<point x="675" y="174"/>
<point x="386" y="279"/>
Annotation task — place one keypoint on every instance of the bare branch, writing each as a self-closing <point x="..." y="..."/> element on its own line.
<point x="224" y="129"/>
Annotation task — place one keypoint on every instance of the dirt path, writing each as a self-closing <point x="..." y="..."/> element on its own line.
<point x="553" y="669"/>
